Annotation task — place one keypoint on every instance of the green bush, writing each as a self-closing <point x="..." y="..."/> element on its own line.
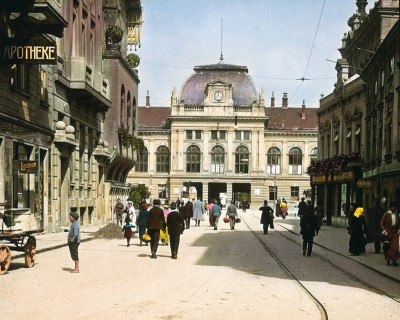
<point x="133" y="60"/>
<point x="114" y="34"/>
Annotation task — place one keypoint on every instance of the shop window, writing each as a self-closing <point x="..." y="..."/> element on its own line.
<point x="274" y="161"/>
<point x="23" y="183"/>
<point x="217" y="159"/>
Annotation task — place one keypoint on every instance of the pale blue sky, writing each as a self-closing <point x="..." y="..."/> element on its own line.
<point x="273" y="38"/>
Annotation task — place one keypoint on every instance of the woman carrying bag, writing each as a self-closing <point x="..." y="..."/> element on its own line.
<point x="390" y="226"/>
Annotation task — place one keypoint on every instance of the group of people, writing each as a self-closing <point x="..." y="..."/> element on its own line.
<point x="380" y="227"/>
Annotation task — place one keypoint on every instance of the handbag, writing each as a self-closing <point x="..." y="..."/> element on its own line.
<point x="386" y="246"/>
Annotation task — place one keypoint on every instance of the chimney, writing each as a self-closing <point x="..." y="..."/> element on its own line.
<point x="303" y="110"/>
<point x="147" y="100"/>
<point x="272" y="100"/>
<point x="284" y="100"/>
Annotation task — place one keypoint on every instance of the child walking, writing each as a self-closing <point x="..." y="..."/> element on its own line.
<point x="127" y="230"/>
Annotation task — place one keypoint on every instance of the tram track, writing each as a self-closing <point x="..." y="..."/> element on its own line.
<point x="319" y="305"/>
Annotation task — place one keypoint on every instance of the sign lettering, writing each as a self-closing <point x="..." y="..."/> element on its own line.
<point x="28" y="166"/>
<point x="36" y="51"/>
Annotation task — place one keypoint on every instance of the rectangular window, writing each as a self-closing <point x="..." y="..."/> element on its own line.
<point x="243" y="135"/>
<point x="193" y="134"/>
<point x="198" y="134"/>
<point x="19" y="76"/>
<point x="189" y="134"/>
<point x="273" y="192"/>
<point x="294" y="193"/>
<point x="218" y="134"/>
<point x="214" y="134"/>
<point x="162" y="191"/>
<point x="22" y="182"/>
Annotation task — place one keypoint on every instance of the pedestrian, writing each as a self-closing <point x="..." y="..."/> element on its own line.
<point x="357" y="229"/>
<point x="118" y="211"/>
<point x="187" y="213"/>
<point x="215" y="213"/>
<point x="198" y="211"/>
<point x="175" y="225"/>
<point x="267" y="217"/>
<point x="390" y="226"/>
<point x="278" y="208"/>
<point x="155" y="222"/>
<point x="308" y="229"/>
<point x="373" y="220"/>
<point x="130" y="211"/>
<point x="231" y="212"/>
<point x="283" y="206"/>
<point x="127" y="230"/>
<point x="244" y="205"/>
<point x="164" y="233"/>
<point x="74" y="239"/>
<point x="319" y="212"/>
<point x="178" y="204"/>
<point x="141" y="221"/>
<point x="141" y="203"/>
<point x="296" y="210"/>
<point x="302" y="207"/>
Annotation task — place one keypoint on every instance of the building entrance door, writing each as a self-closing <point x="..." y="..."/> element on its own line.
<point x="215" y="189"/>
<point x="240" y="191"/>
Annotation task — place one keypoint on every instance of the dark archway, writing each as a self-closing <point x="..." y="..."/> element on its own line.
<point x="214" y="190"/>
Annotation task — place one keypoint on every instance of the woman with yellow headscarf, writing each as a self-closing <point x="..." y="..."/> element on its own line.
<point x="357" y="230"/>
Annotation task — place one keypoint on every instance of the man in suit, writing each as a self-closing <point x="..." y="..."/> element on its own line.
<point x="175" y="223"/>
<point x="155" y="222"/>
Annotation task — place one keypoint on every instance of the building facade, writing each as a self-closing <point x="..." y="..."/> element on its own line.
<point x="218" y="140"/>
<point x="358" y="121"/>
<point x="77" y="110"/>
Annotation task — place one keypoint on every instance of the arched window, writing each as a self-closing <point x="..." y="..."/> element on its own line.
<point x="274" y="161"/>
<point x="122" y="107"/>
<point x="217" y="159"/>
<point x="313" y="155"/>
<point x="128" y="110"/>
<point x="193" y="159"/>
<point x="242" y="160"/>
<point x="142" y="164"/>
<point x="162" y="159"/>
<point x="295" y="160"/>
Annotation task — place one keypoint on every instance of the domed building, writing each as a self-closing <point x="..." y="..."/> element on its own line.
<point x="219" y="140"/>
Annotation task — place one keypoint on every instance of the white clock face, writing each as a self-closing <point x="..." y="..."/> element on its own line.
<point x="218" y="95"/>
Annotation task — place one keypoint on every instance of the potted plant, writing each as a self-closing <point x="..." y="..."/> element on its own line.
<point x="133" y="60"/>
<point x="114" y="36"/>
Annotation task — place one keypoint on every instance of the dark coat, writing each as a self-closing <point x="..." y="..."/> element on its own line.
<point x="267" y="215"/>
<point x="174" y="222"/>
<point x="373" y="219"/>
<point x="302" y="208"/>
<point x="308" y="224"/>
<point x="386" y="225"/>
<point x="141" y="220"/>
<point x="155" y="219"/>
<point x="188" y="210"/>
<point x="357" y="228"/>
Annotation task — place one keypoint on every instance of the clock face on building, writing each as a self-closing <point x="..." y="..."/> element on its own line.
<point x="218" y="95"/>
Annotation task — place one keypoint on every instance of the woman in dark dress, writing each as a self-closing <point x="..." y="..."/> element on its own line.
<point x="357" y="230"/>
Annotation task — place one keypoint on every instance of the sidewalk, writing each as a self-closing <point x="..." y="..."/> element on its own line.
<point x="337" y="239"/>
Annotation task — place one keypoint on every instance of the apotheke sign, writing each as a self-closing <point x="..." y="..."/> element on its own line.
<point x="40" y="53"/>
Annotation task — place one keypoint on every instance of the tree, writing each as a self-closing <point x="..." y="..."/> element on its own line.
<point x="137" y="193"/>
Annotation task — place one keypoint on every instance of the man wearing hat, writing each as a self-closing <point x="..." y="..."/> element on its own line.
<point x="119" y="210"/>
<point x="74" y="239"/>
<point x="155" y="222"/>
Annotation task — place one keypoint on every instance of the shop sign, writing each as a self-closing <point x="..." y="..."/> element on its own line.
<point x="363" y="184"/>
<point x="343" y="176"/>
<point x="36" y="51"/>
<point x="318" y="179"/>
<point x="28" y="166"/>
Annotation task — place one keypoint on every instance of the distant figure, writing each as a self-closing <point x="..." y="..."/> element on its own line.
<point x="390" y="226"/>
<point x="215" y="213"/>
<point x="119" y="211"/>
<point x="155" y="222"/>
<point x="302" y="207"/>
<point x="267" y="217"/>
<point x="131" y="214"/>
<point x="187" y="214"/>
<point x="198" y="211"/>
<point x="357" y="229"/>
<point x="74" y="239"/>
<point x="127" y="230"/>
<point x="278" y="208"/>
<point x="231" y="212"/>
<point x="283" y="206"/>
<point x="141" y="221"/>
<point x="175" y="224"/>
<point x="244" y="205"/>
<point x="308" y="229"/>
<point x="373" y="219"/>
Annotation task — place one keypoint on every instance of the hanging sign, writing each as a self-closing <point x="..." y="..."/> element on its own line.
<point x="27" y="166"/>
